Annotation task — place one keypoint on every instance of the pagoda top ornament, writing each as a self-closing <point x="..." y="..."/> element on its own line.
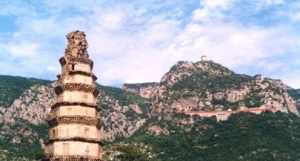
<point x="77" y="45"/>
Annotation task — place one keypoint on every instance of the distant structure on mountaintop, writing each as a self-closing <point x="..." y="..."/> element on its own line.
<point x="204" y="58"/>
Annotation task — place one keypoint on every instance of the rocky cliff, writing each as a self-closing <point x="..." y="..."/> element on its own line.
<point x="146" y="90"/>
<point x="208" y="86"/>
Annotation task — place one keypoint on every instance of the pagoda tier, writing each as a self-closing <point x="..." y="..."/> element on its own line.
<point x="74" y="119"/>
<point x="74" y="132"/>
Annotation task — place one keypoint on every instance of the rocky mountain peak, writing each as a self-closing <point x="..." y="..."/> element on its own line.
<point x="184" y="69"/>
<point x="206" y="86"/>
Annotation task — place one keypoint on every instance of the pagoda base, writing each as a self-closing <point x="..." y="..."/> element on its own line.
<point x="70" y="158"/>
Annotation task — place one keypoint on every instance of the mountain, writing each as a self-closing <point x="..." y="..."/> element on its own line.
<point x="22" y="121"/>
<point x="170" y="120"/>
<point x="206" y="86"/>
<point x="12" y="87"/>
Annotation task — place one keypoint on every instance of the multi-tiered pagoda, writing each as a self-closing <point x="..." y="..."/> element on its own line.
<point x="74" y="133"/>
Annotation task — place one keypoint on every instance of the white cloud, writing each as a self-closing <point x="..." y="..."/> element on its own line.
<point x="146" y="56"/>
<point x="22" y="49"/>
<point x="16" y="8"/>
<point x="292" y="79"/>
<point x="221" y="4"/>
<point x="135" y="43"/>
<point x="232" y="44"/>
<point x="133" y="55"/>
<point x="266" y="3"/>
<point x="212" y="10"/>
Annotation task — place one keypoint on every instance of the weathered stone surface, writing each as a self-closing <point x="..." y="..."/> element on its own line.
<point x="77" y="44"/>
<point x="67" y="131"/>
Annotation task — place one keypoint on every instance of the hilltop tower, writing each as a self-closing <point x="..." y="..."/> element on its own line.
<point x="74" y="133"/>
<point x="204" y="58"/>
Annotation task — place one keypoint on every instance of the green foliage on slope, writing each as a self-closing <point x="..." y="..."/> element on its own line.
<point x="210" y="76"/>
<point x="28" y="145"/>
<point x="11" y="87"/>
<point x="6" y="155"/>
<point x="124" y="98"/>
<point x="204" y="81"/>
<point x="295" y="93"/>
<point x="244" y="137"/>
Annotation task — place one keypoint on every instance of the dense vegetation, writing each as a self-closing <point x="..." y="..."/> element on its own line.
<point x="198" y="84"/>
<point x="12" y="87"/>
<point x="244" y="137"/>
<point x="295" y="93"/>
<point x="203" y="81"/>
<point x="29" y="146"/>
<point x="124" y="98"/>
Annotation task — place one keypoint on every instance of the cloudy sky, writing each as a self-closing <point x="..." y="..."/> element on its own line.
<point x="139" y="40"/>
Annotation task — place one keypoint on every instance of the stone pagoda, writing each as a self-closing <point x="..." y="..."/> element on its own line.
<point x="74" y="131"/>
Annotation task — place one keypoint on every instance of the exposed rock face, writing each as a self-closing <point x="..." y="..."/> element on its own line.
<point x="156" y="130"/>
<point x="33" y="106"/>
<point x="207" y="86"/>
<point x="120" y="120"/>
<point x="26" y="113"/>
<point x="146" y="90"/>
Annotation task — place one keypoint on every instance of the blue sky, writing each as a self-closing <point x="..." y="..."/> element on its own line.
<point x="138" y="41"/>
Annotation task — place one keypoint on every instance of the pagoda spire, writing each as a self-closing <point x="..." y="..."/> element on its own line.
<point x="77" y="44"/>
<point x="74" y="124"/>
